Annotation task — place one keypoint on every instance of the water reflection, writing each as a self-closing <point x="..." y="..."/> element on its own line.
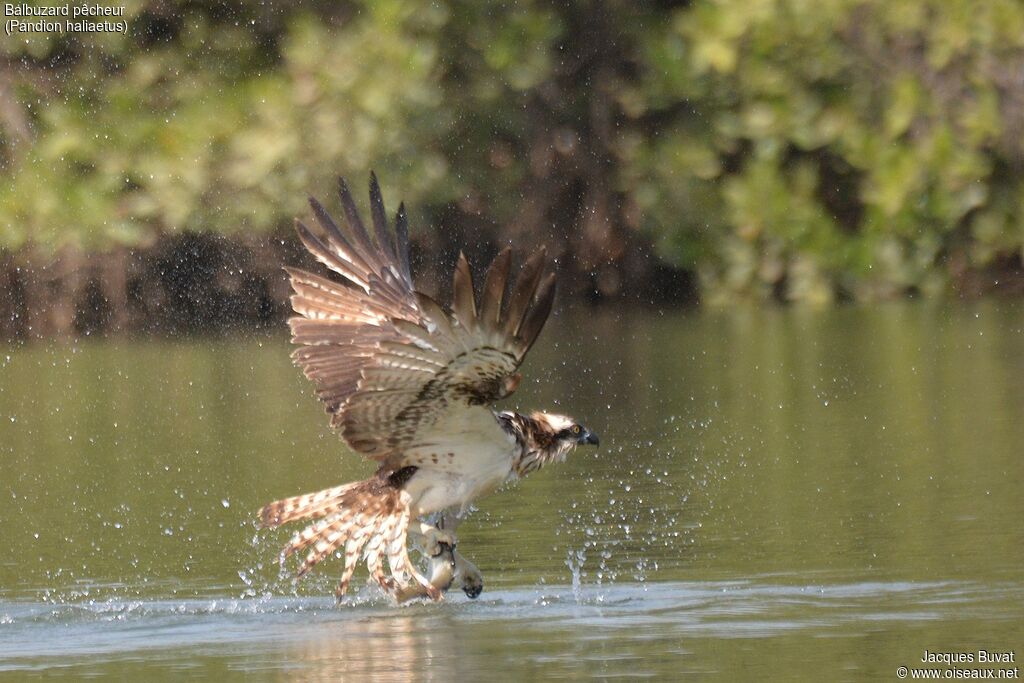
<point x="388" y="648"/>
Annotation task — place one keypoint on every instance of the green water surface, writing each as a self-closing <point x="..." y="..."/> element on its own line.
<point x="779" y="494"/>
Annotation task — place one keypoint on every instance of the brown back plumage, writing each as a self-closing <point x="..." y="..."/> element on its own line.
<point x="389" y="362"/>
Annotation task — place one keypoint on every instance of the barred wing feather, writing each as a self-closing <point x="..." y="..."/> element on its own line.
<point x="392" y="366"/>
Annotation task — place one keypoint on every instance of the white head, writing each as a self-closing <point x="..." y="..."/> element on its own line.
<point x="563" y="431"/>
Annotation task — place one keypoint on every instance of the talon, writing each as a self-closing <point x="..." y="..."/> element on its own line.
<point x="445" y="547"/>
<point x="433" y="543"/>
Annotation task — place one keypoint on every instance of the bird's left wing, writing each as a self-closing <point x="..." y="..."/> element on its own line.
<point x="392" y="366"/>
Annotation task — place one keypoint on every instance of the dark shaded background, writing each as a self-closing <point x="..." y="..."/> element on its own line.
<point x="667" y="152"/>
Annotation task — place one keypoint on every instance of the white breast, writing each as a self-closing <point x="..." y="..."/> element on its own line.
<point x="466" y="456"/>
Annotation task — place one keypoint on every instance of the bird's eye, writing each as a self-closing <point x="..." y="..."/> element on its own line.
<point x="575" y="429"/>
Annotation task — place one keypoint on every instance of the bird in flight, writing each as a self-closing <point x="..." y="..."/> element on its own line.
<point x="411" y="386"/>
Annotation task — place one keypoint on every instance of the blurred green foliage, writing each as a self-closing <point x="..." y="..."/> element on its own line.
<point x="777" y="148"/>
<point x="863" y="147"/>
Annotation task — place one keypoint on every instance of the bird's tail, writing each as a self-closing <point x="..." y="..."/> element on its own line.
<point x="367" y="518"/>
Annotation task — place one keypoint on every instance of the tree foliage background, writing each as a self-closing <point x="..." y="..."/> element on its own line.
<point x="790" y="149"/>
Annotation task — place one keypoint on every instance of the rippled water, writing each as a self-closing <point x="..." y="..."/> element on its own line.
<point x="746" y="629"/>
<point x="779" y="494"/>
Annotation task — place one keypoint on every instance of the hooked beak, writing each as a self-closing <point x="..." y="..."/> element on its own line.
<point x="588" y="438"/>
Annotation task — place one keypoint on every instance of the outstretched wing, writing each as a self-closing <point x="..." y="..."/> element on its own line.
<point x="393" y="368"/>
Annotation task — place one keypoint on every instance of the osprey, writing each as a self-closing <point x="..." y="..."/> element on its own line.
<point x="411" y="385"/>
